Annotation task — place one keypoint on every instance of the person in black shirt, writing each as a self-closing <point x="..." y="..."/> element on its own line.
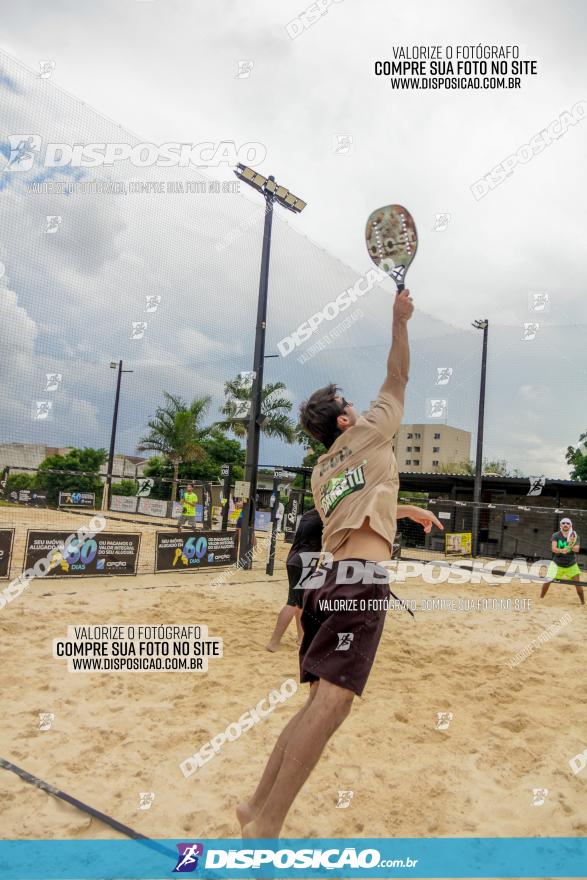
<point x="308" y="539"/>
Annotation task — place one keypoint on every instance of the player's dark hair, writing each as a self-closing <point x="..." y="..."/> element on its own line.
<point x="318" y="415"/>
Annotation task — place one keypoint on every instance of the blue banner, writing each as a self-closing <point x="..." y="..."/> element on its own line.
<point x="353" y="857"/>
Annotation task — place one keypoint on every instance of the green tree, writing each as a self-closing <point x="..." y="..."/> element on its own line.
<point x="218" y="450"/>
<point x="576" y="456"/>
<point x="87" y="460"/>
<point x="125" y="487"/>
<point x="497" y="467"/>
<point x="466" y="467"/>
<point x="177" y="432"/>
<point x="162" y="473"/>
<point x="275" y="407"/>
<point x="221" y="449"/>
<point x="314" y="449"/>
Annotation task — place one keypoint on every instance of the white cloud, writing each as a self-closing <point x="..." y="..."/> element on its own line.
<point x="79" y="290"/>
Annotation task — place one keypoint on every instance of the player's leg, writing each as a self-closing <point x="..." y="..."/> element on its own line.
<point x="287" y="613"/>
<point x="579" y="589"/>
<point x="247" y="810"/>
<point x="299" y="627"/>
<point x="342" y="673"/>
<point x="303" y="748"/>
<point x="284" y="618"/>
<point x="551" y="573"/>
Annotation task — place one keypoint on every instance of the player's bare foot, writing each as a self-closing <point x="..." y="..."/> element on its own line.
<point x="255" y="830"/>
<point x="245" y="813"/>
<point x="272" y="646"/>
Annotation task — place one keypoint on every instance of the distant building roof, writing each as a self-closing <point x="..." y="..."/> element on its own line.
<point x="434" y="482"/>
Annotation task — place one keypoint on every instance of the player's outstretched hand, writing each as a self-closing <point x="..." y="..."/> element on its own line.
<point x="403" y="306"/>
<point x="425" y="518"/>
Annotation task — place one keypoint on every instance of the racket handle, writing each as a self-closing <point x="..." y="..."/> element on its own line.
<point x="400" y="287"/>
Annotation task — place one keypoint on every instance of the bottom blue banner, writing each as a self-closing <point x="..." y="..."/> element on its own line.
<point x="290" y="858"/>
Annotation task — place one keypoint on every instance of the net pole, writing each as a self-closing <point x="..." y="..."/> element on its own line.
<point x="479" y="454"/>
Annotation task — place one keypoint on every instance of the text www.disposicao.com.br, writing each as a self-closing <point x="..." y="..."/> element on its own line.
<point x="135" y="664"/>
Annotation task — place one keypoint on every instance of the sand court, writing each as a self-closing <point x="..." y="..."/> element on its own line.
<point x="454" y="736"/>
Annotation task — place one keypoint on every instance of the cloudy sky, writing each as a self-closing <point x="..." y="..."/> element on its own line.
<point x="346" y="142"/>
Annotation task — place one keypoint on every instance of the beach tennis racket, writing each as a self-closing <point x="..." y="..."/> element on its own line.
<point x="392" y="241"/>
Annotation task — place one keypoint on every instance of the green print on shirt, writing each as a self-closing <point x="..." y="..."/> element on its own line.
<point x="341" y="485"/>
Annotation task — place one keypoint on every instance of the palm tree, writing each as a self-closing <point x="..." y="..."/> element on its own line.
<point x="274" y="407"/>
<point x="176" y="432"/>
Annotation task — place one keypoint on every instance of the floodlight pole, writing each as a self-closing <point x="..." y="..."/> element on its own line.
<point x="108" y="484"/>
<point x="271" y="192"/>
<point x="254" y="429"/>
<point x="479" y="325"/>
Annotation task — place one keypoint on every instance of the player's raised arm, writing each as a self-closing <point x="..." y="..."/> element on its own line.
<point x="398" y="360"/>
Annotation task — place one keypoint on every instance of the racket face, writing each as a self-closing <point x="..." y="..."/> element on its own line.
<point x="392" y="241"/>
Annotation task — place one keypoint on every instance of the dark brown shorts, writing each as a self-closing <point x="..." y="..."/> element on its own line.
<point x="340" y="641"/>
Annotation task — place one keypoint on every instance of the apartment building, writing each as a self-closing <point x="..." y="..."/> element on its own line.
<point x="421" y="449"/>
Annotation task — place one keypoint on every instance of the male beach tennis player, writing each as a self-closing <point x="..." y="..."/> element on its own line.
<point x="355" y="486"/>
<point x="188" y="508"/>
<point x="565" y="545"/>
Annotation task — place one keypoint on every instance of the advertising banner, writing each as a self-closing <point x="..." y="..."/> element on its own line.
<point x="6" y="541"/>
<point x="292" y="512"/>
<point x="77" y="499"/>
<point x="153" y="507"/>
<point x="123" y="503"/>
<point x="458" y="543"/>
<point x="262" y="520"/>
<point x="242" y="489"/>
<point x="193" y="551"/>
<point x="177" y="511"/>
<point x="145" y="486"/>
<point x="107" y="553"/>
<point x="27" y="496"/>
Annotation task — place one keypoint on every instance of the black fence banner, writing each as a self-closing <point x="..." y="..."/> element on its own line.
<point x="27" y="496"/>
<point x="191" y="551"/>
<point x="77" y="499"/>
<point x="292" y="511"/>
<point x="107" y="553"/>
<point x="6" y="541"/>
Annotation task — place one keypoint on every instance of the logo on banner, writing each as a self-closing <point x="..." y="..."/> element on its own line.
<point x="536" y="485"/>
<point x="145" y="486"/>
<point x="189" y="855"/>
